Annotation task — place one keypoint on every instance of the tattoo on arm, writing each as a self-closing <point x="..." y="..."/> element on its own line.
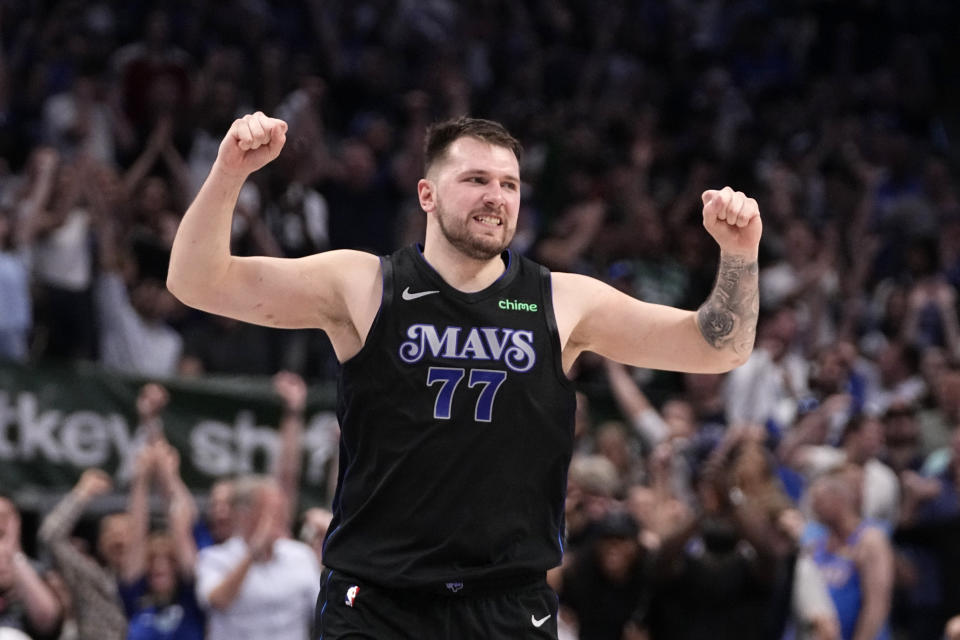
<point x="728" y="319"/>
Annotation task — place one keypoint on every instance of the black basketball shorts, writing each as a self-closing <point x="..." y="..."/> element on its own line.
<point x="351" y="609"/>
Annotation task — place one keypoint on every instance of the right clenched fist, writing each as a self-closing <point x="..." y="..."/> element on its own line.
<point x="252" y="141"/>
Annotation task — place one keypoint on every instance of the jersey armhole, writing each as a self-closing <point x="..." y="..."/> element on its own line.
<point x="546" y="293"/>
<point x="386" y="297"/>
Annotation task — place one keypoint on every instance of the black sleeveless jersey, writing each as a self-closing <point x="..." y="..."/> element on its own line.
<point x="456" y="432"/>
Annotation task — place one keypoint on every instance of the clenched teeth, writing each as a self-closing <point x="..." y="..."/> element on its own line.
<point x="489" y="220"/>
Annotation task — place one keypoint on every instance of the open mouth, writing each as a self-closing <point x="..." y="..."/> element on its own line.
<point x="488" y="220"/>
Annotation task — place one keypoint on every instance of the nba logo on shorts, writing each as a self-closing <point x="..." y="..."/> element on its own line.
<point x="352" y="595"/>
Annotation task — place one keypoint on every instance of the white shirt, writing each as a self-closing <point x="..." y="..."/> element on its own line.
<point x="276" y="600"/>
<point x="129" y="343"/>
<point x="761" y="389"/>
<point x="62" y="258"/>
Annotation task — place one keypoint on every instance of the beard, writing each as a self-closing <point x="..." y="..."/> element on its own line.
<point x="477" y="247"/>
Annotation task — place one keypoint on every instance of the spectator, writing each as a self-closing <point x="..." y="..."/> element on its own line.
<point x="54" y="206"/>
<point x="899" y="382"/>
<point x="862" y="444"/>
<point x="723" y="573"/>
<point x="93" y="586"/>
<point x="592" y="487"/>
<point x="609" y="582"/>
<point x="806" y="279"/>
<point x="855" y="559"/>
<point x="77" y="121"/>
<point x="258" y="584"/>
<point x="768" y="387"/>
<point x="837" y="111"/>
<point x="132" y="312"/>
<point x="157" y="584"/>
<point x="219" y="523"/>
<point x="929" y="533"/>
<point x="27" y="603"/>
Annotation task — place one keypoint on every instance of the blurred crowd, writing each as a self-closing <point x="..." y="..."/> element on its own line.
<point x="812" y="493"/>
<point x="247" y="567"/>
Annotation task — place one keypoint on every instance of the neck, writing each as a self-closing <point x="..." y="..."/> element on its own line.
<point x="461" y="271"/>
<point x="846" y="525"/>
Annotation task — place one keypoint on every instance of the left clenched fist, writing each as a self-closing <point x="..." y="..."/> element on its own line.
<point x="733" y="220"/>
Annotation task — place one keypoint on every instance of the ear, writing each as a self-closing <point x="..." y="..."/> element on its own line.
<point x="426" y="192"/>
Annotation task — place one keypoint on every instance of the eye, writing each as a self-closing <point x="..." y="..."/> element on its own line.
<point x="512" y="186"/>
<point x="477" y="180"/>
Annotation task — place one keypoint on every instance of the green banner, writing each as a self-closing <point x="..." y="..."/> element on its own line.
<point x="57" y="421"/>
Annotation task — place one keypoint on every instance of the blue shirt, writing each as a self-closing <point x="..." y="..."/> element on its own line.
<point x="181" y="619"/>
<point x="14" y="292"/>
<point x="843" y="582"/>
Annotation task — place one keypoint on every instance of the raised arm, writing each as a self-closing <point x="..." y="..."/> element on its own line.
<point x="634" y="405"/>
<point x="151" y="401"/>
<point x="592" y="316"/>
<point x="79" y="570"/>
<point x="138" y="508"/>
<point x="41" y="604"/>
<point x="293" y="392"/>
<point x="181" y="508"/>
<point x="338" y="291"/>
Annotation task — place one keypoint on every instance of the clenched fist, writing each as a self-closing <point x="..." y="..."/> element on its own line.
<point x="733" y="220"/>
<point x="252" y="142"/>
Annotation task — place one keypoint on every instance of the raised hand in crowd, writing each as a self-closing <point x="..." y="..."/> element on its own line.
<point x="160" y="147"/>
<point x="159" y="566"/>
<point x="151" y="401"/>
<point x="92" y="585"/>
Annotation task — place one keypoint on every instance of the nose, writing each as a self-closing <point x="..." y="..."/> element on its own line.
<point x="493" y="196"/>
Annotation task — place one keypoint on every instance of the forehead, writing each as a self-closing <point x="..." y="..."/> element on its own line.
<point x="472" y="154"/>
<point x="7" y="508"/>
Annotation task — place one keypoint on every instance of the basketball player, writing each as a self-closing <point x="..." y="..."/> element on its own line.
<point x="455" y="407"/>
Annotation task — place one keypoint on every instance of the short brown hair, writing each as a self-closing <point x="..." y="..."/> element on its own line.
<point x="441" y="135"/>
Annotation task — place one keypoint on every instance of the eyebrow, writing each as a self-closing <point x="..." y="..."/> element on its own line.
<point x="484" y="172"/>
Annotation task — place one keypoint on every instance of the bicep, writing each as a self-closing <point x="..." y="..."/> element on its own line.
<point x="599" y="318"/>
<point x="310" y="292"/>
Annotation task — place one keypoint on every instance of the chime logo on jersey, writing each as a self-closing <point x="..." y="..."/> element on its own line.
<point x="513" y="347"/>
<point x="352" y="595"/>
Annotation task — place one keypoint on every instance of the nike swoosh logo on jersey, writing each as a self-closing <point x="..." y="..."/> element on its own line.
<point x="539" y="623"/>
<point x="410" y="295"/>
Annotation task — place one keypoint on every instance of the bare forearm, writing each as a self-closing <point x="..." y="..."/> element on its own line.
<point x="226" y="592"/>
<point x="287" y="471"/>
<point x="183" y="514"/>
<point x="728" y="319"/>
<point x="201" y="250"/>
<point x="134" y="562"/>
<point x="630" y="399"/>
<point x="41" y="604"/>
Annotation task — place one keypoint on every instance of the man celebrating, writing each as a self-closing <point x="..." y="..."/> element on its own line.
<point x="456" y="411"/>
